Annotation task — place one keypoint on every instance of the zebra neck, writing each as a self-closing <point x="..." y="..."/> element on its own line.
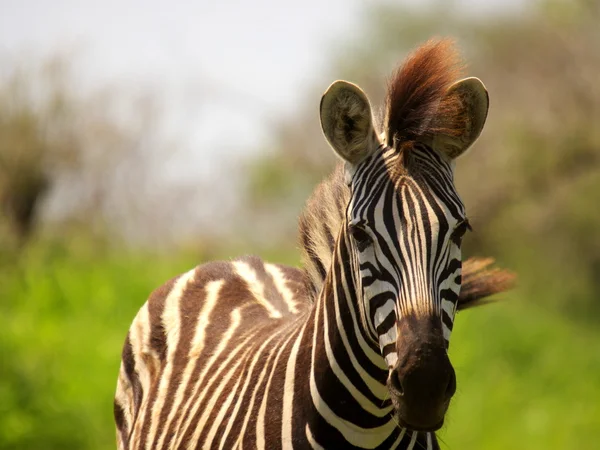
<point x="341" y="309"/>
<point x="347" y="379"/>
<point x="348" y="373"/>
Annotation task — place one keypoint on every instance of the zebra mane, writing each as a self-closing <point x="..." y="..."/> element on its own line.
<point x="319" y="226"/>
<point x="416" y="95"/>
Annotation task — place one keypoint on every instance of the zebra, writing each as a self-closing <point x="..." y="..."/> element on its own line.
<point x="351" y="350"/>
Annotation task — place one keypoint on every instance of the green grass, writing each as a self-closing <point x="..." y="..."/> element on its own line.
<point x="527" y="378"/>
<point x="63" y="319"/>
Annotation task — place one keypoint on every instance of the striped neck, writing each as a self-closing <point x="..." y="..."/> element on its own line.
<point x="348" y="373"/>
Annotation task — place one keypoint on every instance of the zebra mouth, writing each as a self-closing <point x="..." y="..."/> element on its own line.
<point x="416" y="415"/>
<point x="414" y="427"/>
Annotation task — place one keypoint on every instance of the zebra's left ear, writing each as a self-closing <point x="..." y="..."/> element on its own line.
<point x="347" y="122"/>
<point x="473" y="103"/>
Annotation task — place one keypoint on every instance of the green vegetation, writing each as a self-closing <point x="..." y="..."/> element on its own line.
<point x="527" y="379"/>
<point x="64" y="314"/>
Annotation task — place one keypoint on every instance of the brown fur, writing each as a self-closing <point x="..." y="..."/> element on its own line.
<point x="319" y="226"/>
<point x="481" y="279"/>
<point x="416" y="95"/>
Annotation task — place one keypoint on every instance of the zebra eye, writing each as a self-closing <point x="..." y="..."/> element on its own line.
<point x="361" y="237"/>
<point x="459" y="232"/>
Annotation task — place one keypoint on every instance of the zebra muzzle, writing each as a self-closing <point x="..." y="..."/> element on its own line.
<point x="423" y="380"/>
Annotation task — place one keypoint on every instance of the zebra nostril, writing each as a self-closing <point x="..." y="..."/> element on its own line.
<point x="396" y="383"/>
<point x="451" y="388"/>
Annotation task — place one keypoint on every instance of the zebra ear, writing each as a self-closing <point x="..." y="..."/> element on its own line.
<point x="347" y="122"/>
<point x="474" y="102"/>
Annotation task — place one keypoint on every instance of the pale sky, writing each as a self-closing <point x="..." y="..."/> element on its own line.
<point x="260" y="49"/>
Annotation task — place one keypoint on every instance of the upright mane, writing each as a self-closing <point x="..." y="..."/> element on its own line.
<point x="319" y="225"/>
<point x="416" y="94"/>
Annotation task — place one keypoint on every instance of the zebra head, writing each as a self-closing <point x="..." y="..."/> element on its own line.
<point x="405" y="221"/>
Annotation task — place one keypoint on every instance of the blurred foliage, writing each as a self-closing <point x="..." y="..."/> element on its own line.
<point x="527" y="367"/>
<point x="33" y="142"/>
<point x="526" y="379"/>
<point x="61" y="333"/>
<point x="79" y="160"/>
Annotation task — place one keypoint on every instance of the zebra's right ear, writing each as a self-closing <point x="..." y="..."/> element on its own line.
<point x="347" y="122"/>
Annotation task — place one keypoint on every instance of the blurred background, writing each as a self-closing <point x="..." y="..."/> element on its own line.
<point x="138" y="139"/>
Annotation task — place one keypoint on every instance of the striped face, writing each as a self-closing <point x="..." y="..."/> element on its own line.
<point x="406" y="230"/>
<point x="406" y="223"/>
